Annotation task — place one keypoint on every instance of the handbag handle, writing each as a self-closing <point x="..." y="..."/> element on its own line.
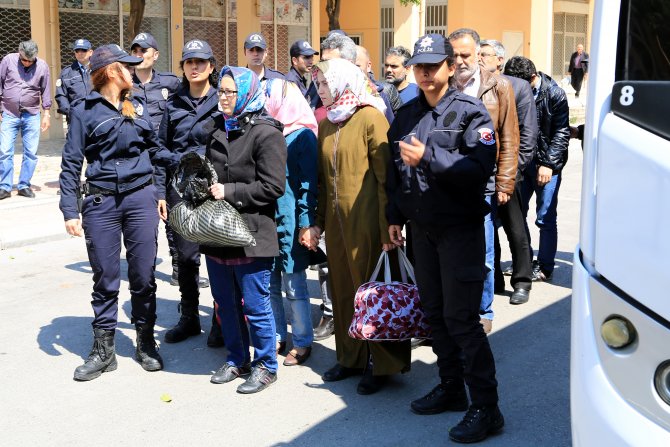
<point x="406" y="268"/>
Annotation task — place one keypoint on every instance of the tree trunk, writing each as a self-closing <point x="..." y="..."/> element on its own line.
<point x="333" y="11"/>
<point x="135" y="17"/>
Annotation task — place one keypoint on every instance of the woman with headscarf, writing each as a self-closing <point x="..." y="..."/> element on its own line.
<point x="295" y="214"/>
<point x="352" y="164"/>
<point x="248" y="152"/>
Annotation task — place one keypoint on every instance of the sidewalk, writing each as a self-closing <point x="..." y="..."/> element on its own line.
<point x="27" y="221"/>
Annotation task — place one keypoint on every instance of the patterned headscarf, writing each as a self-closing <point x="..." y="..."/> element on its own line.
<point x="349" y="87"/>
<point x="250" y="96"/>
<point x="286" y="104"/>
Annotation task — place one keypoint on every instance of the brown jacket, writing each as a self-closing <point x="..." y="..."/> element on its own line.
<point x="498" y="96"/>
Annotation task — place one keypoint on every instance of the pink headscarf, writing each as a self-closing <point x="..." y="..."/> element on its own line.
<point x="286" y="104"/>
<point x="349" y="87"/>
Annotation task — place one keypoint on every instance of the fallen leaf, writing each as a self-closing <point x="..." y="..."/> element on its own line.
<point x="166" y="398"/>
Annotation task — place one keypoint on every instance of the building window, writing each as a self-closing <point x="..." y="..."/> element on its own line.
<point x="436" y="17"/>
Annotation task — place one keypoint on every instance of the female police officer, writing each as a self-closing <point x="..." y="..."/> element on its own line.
<point x="444" y="151"/>
<point x="113" y="133"/>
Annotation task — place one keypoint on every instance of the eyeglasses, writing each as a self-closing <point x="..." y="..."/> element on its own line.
<point x="228" y="93"/>
<point x="28" y="61"/>
<point x="487" y="54"/>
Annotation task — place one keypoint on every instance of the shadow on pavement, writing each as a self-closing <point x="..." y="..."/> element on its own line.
<point x="533" y="374"/>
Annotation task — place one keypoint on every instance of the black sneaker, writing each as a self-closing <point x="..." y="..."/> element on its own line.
<point x="477" y="424"/>
<point x="228" y="373"/>
<point x="259" y="379"/>
<point x="444" y="397"/>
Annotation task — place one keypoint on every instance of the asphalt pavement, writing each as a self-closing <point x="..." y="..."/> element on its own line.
<point x="45" y="333"/>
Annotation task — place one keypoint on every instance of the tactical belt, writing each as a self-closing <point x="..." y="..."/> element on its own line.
<point x="92" y="190"/>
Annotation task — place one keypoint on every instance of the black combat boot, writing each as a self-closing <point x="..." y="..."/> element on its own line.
<point x="146" y="352"/>
<point x="101" y="359"/>
<point x="174" y="280"/>
<point x="215" y="338"/>
<point x="188" y="325"/>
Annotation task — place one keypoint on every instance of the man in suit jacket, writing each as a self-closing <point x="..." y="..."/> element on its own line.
<point x="578" y="68"/>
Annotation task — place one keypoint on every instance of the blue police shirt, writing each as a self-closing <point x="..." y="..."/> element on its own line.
<point x="447" y="187"/>
<point x="119" y="150"/>
<point x="155" y="93"/>
<point x="73" y="85"/>
<point x="182" y="128"/>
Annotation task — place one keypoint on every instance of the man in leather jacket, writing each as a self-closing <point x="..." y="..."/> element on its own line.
<point x="498" y="97"/>
<point x="543" y="175"/>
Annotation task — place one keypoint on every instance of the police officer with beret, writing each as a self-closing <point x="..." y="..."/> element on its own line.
<point x="443" y="153"/>
<point x="184" y="130"/>
<point x="155" y="88"/>
<point x="113" y="133"/>
<point x="255" y="50"/>
<point x="74" y="82"/>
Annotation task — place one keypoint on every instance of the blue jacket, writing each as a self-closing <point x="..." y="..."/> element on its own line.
<point x="296" y="208"/>
<point x="72" y="86"/>
<point x="155" y="94"/>
<point x="447" y="187"/>
<point x="119" y="151"/>
<point x="183" y="127"/>
<point x="309" y="93"/>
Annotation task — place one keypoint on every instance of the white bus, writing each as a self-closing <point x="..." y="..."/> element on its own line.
<point x="620" y="335"/>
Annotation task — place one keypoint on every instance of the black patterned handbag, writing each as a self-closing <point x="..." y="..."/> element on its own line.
<point x="199" y="217"/>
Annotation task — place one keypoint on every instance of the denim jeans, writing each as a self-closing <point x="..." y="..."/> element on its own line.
<point x="244" y="289"/>
<point x="546" y="203"/>
<point x="486" y="306"/>
<point x="29" y="125"/>
<point x="295" y="285"/>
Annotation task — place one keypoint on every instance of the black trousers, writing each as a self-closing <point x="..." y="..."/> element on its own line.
<point x="576" y="78"/>
<point x="450" y="274"/>
<point x="513" y="222"/>
<point x="188" y="257"/>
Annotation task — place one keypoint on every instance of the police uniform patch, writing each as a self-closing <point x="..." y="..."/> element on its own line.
<point x="165" y="93"/>
<point x="58" y="82"/>
<point x="139" y="109"/>
<point x="486" y="136"/>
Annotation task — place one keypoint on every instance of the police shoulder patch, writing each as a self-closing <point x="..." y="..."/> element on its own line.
<point x="165" y="93"/>
<point x="59" y="82"/>
<point x="139" y="109"/>
<point x="486" y="136"/>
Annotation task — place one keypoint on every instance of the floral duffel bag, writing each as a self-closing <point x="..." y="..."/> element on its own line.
<point x="389" y="310"/>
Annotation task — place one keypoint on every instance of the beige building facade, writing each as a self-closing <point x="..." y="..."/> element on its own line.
<point x="546" y="31"/>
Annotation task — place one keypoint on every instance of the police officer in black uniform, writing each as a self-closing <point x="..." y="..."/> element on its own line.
<point x="152" y="86"/>
<point x="114" y="135"/>
<point x="255" y="51"/>
<point x="183" y="130"/>
<point x="155" y="88"/>
<point x="444" y="152"/>
<point x="302" y="58"/>
<point x="75" y="81"/>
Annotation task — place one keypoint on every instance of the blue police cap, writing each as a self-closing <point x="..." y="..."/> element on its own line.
<point x="196" y="49"/>
<point x="302" y="47"/>
<point x="108" y="54"/>
<point x="254" y="40"/>
<point x="431" y="49"/>
<point x="81" y="44"/>
<point x="145" y="40"/>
